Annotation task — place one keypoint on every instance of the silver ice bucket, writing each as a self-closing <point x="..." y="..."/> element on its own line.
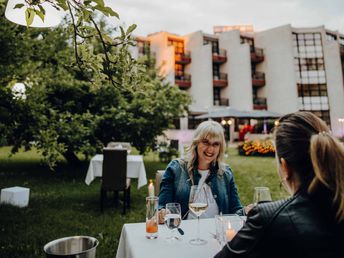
<point x="72" y="247"/>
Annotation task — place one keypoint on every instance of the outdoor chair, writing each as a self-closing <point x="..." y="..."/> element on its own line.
<point x="158" y="177"/>
<point x="115" y="176"/>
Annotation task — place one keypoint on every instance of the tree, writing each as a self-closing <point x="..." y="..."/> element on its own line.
<point x="77" y="105"/>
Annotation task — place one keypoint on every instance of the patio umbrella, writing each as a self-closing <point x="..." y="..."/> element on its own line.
<point x="235" y="113"/>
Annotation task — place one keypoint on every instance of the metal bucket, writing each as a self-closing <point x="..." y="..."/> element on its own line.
<point x="72" y="247"/>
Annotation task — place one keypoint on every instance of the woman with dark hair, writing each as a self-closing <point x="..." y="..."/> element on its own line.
<point x="311" y="222"/>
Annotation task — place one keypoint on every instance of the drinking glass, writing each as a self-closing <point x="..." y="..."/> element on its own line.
<point x="152" y="217"/>
<point x="261" y="194"/>
<point x="227" y="226"/>
<point x="172" y="219"/>
<point x="198" y="204"/>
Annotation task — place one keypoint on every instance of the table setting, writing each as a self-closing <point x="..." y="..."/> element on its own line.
<point x="200" y="237"/>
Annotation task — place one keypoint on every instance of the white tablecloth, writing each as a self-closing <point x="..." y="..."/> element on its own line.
<point x="134" y="244"/>
<point x="135" y="169"/>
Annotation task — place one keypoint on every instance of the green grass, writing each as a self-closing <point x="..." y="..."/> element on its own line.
<point x="61" y="204"/>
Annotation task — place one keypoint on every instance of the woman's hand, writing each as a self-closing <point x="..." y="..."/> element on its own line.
<point x="161" y="216"/>
<point x="248" y="208"/>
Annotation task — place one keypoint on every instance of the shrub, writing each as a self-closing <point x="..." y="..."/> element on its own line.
<point x="257" y="148"/>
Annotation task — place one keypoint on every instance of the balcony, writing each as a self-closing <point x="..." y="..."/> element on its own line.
<point x="183" y="58"/>
<point x="220" y="57"/>
<point x="183" y="81"/>
<point x="220" y="80"/>
<point x="258" y="79"/>
<point x="259" y="103"/>
<point x="221" y="102"/>
<point x="257" y="55"/>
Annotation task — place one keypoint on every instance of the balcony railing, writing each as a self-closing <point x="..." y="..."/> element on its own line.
<point x="258" y="79"/>
<point x="259" y="103"/>
<point x="221" y="102"/>
<point x="183" y="81"/>
<point x="257" y="55"/>
<point x="183" y="58"/>
<point x="220" y="56"/>
<point x="220" y="80"/>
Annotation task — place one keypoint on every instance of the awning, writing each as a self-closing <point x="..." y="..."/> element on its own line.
<point x="230" y="112"/>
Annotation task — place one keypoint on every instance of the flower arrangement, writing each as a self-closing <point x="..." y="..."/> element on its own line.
<point x="257" y="147"/>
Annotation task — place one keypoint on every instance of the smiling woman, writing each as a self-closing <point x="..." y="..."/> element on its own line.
<point x="203" y="167"/>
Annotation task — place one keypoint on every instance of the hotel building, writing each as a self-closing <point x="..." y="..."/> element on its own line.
<point x="283" y="69"/>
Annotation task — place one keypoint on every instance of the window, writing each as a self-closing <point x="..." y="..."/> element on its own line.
<point x="310" y="72"/>
<point x="217" y="96"/>
<point x="214" y="44"/>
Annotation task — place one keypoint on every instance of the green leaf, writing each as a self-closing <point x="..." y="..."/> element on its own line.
<point x="62" y="4"/>
<point x="107" y="38"/>
<point x="122" y="32"/>
<point x="29" y="15"/>
<point x="40" y="14"/>
<point x="18" y="6"/>
<point x="41" y="9"/>
<point x="131" y="28"/>
<point x="99" y="2"/>
<point x="112" y="12"/>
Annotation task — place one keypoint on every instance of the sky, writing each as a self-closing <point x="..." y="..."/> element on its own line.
<point x="185" y="16"/>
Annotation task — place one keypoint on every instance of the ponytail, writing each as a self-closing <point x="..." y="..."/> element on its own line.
<point x="327" y="156"/>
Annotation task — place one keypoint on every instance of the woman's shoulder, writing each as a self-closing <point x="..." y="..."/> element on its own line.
<point x="225" y="169"/>
<point x="177" y="164"/>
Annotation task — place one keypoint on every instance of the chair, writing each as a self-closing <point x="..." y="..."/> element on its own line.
<point x="115" y="176"/>
<point x="158" y="177"/>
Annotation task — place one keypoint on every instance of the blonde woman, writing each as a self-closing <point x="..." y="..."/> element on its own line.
<point x="311" y="222"/>
<point x="203" y="166"/>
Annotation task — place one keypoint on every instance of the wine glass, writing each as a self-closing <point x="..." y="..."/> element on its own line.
<point x="172" y="219"/>
<point x="261" y="194"/>
<point x="198" y="204"/>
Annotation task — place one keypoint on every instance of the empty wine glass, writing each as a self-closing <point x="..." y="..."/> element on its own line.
<point x="261" y="194"/>
<point x="172" y="219"/>
<point x="198" y="204"/>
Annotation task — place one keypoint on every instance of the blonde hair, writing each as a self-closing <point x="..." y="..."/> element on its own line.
<point x="305" y="142"/>
<point x="206" y="130"/>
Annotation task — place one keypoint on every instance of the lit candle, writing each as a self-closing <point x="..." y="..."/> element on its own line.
<point x="230" y="232"/>
<point x="151" y="188"/>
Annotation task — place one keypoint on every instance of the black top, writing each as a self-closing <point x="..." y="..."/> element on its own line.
<point x="302" y="226"/>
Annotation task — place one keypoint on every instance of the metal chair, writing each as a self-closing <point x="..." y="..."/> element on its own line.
<point x="115" y="176"/>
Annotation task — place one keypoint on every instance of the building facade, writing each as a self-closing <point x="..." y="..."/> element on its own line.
<point x="282" y="69"/>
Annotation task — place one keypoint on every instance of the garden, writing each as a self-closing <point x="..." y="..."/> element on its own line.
<point x="61" y="204"/>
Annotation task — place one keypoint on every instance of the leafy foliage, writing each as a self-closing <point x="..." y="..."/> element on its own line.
<point x="80" y="95"/>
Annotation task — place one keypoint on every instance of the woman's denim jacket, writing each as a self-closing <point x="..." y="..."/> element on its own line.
<point x="176" y="183"/>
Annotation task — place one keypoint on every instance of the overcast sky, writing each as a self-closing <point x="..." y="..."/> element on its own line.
<point x="186" y="16"/>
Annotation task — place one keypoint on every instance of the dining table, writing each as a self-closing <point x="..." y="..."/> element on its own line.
<point x="134" y="244"/>
<point x="135" y="169"/>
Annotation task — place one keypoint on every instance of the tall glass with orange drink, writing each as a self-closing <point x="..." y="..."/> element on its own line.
<point x="152" y="217"/>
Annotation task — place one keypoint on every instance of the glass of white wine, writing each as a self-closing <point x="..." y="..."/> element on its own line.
<point x="198" y="204"/>
<point x="172" y="219"/>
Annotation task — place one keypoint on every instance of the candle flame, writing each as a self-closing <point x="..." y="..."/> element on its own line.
<point x="229" y="225"/>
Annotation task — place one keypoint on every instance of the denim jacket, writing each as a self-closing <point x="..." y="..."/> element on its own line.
<point x="176" y="183"/>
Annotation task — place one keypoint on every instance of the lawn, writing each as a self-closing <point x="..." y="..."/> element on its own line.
<point x="61" y="204"/>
